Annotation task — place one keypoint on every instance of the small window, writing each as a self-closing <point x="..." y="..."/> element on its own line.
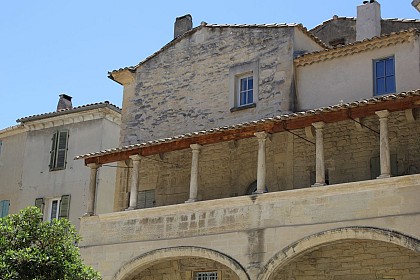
<point x="384" y="75"/>
<point x="146" y="199"/>
<point x="245" y="90"/>
<point x="206" y="275"/>
<point x="58" y="152"/>
<point x="1" y="143"/>
<point x="243" y="86"/>
<point x="4" y="208"/>
<point x="54" y="208"/>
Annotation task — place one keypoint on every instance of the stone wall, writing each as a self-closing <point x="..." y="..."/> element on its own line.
<point x="189" y="86"/>
<point x="184" y="269"/>
<point x="354" y="260"/>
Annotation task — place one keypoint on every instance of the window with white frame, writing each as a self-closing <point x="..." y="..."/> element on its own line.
<point x="209" y="275"/>
<point x="243" y="90"/>
<point x="54" y="208"/>
<point x="384" y="75"/>
<point x="58" y="153"/>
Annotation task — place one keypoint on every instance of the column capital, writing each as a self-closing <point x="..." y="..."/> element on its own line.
<point x="382" y="114"/>
<point x="195" y="147"/>
<point x="93" y="165"/>
<point x="135" y="157"/>
<point x="261" y="135"/>
<point x="318" y="125"/>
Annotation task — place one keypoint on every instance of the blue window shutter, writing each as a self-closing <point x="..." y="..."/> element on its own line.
<point x="4" y="208"/>
<point x="384" y="76"/>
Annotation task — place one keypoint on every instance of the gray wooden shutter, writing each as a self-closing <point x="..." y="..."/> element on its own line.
<point x="4" y="208"/>
<point x="64" y="207"/>
<point x="150" y="198"/>
<point x="39" y="202"/>
<point x="53" y="150"/>
<point x="62" y="149"/>
<point x="145" y="199"/>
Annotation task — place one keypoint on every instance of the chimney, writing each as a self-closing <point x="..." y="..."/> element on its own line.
<point x="64" y="102"/>
<point x="182" y="25"/>
<point x="368" y="22"/>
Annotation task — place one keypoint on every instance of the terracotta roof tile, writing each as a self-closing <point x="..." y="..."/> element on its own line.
<point x="71" y="110"/>
<point x="290" y="116"/>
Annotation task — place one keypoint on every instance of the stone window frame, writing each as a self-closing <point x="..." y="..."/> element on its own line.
<point x="236" y="73"/>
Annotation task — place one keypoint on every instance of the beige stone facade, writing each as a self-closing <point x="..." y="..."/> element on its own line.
<point x="262" y="192"/>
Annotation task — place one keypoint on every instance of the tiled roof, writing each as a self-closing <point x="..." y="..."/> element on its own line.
<point x="206" y="25"/>
<point x="279" y="118"/>
<point x="72" y="110"/>
<point x="356" y="47"/>
<point x="353" y="19"/>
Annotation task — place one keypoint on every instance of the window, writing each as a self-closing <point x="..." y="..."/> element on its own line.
<point x="146" y="199"/>
<point x="1" y="143"/>
<point x="384" y="75"/>
<point x="4" y="208"/>
<point x="246" y="90"/>
<point x="54" y="208"/>
<point x="206" y="275"/>
<point x="59" y="150"/>
<point x="243" y="90"/>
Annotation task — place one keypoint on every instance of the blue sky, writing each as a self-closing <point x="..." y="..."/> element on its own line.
<point x="53" y="47"/>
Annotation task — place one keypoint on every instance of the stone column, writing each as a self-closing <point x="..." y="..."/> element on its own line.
<point x="91" y="199"/>
<point x="320" y="162"/>
<point x="194" y="173"/>
<point x="134" y="181"/>
<point x="261" y="171"/>
<point x="385" y="158"/>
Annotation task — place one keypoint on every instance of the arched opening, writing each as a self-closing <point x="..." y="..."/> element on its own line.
<point x="182" y="263"/>
<point x="355" y="253"/>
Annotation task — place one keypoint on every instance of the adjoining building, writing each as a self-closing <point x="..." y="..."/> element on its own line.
<point x="258" y="152"/>
<point x="37" y="166"/>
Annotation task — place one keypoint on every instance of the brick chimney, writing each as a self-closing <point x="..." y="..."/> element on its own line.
<point x="182" y="25"/>
<point x="64" y="102"/>
<point x="368" y="22"/>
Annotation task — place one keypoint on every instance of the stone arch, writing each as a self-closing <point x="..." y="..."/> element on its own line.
<point x="156" y="256"/>
<point x="312" y="242"/>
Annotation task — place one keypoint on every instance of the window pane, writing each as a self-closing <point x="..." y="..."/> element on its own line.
<point x="54" y="209"/>
<point x="62" y="142"/>
<point x="380" y="69"/>
<point x="389" y="67"/>
<point x="243" y="98"/>
<point x="243" y="84"/>
<point x="380" y="86"/>
<point x="390" y="84"/>
<point x="250" y="83"/>
<point x="250" y="97"/>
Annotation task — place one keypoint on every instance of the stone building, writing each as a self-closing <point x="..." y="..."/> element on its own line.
<point x="257" y="152"/>
<point x="37" y="166"/>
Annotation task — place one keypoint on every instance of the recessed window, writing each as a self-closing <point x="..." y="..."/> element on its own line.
<point x="1" y="143"/>
<point x="58" y="153"/>
<point x="246" y="90"/>
<point x="206" y="275"/>
<point x="384" y="75"/>
<point x="243" y="88"/>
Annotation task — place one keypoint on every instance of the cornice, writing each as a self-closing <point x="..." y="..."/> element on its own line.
<point x="74" y="117"/>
